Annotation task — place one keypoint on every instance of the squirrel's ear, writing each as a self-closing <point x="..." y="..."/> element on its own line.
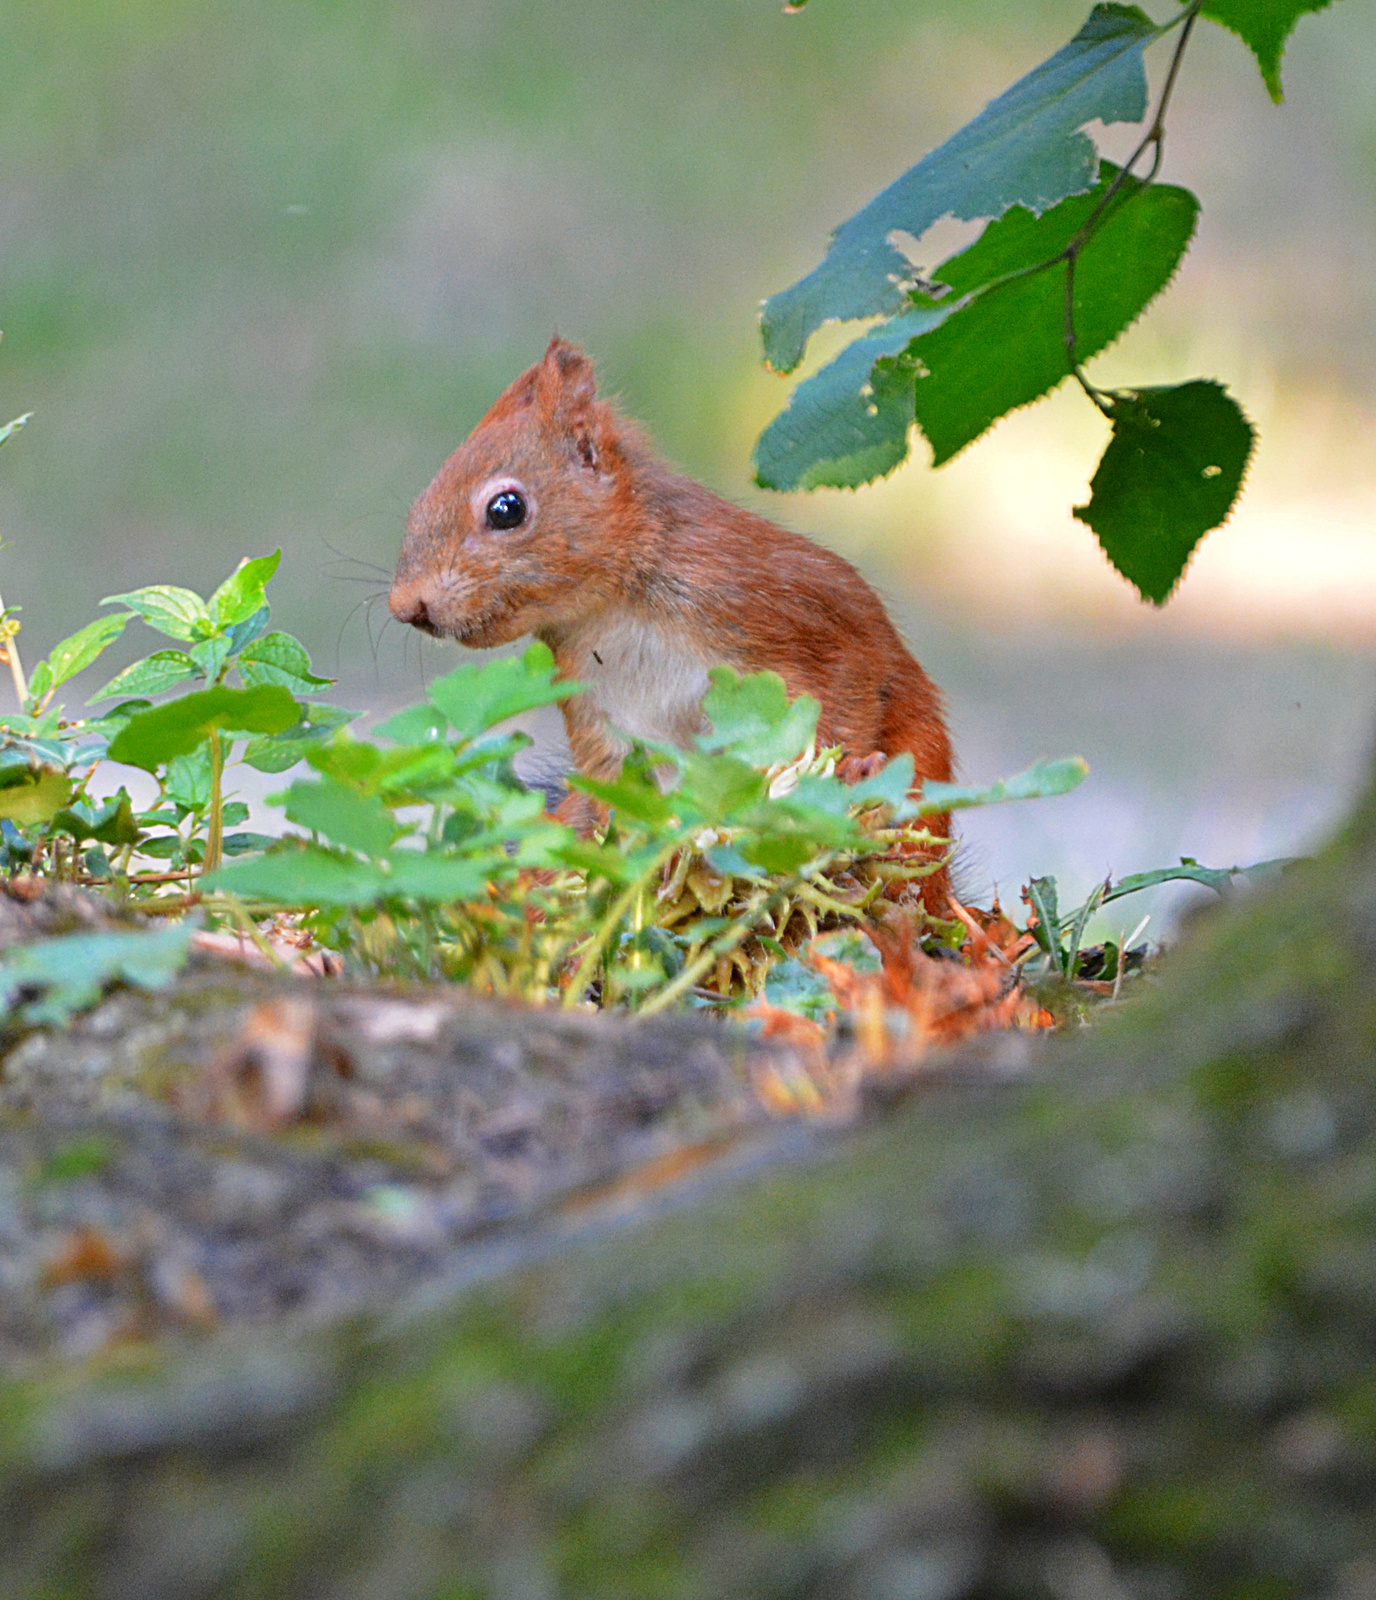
<point x="567" y="389"/>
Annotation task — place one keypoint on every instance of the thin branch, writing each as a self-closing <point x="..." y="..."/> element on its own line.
<point x="1155" y="140"/>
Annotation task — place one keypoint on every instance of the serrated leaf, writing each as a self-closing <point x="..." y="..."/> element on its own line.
<point x="300" y="875"/>
<point x="76" y="652"/>
<point x="753" y="718"/>
<point x="1007" y="348"/>
<point x="1025" y="148"/>
<point x="164" y="669"/>
<point x="848" y="423"/>
<point x="359" y="822"/>
<point x="280" y="658"/>
<point x="241" y="594"/>
<point x="35" y="799"/>
<point x="1040" y="781"/>
<point x="179" y="613"/>
<point x="1264" y="26"/>
<point x="1172" y="471"/>
<point x="153" y="737"/>
<point x="475" y="698"/>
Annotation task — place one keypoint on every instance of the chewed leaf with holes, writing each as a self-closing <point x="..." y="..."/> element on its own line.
<point x="1007" y="347"/>
<point x="1171" y="472"/>
<point x="848" y="423"/>
<point x="1025" y="148"/>
<point x="1264" y="25"/>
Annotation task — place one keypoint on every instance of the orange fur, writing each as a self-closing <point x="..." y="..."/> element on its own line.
<point x="639" y="580"/>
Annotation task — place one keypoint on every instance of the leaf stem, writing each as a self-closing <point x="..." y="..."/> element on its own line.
<point x="611" y="922"/>
<point x="214" y="839"/>
<point x="1155" y="140"/>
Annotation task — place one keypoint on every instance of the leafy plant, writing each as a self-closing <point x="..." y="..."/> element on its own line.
<point x="1073" y="251"/>
<point x="47" y="761"/>
<point x="426" y="852"/>
<point x="1060" y="936"/>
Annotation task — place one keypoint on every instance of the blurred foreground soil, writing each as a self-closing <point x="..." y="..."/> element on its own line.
<point x="315" y="1292"/>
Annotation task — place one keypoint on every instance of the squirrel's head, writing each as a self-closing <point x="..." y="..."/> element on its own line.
<point x="523" y="528"/>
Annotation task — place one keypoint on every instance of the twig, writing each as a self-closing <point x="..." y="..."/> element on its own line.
<point x="1155" y="140"/>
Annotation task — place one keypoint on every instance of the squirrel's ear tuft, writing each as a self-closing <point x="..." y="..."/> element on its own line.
<point x="566" y="375"/>
<point x="567" y="388"/>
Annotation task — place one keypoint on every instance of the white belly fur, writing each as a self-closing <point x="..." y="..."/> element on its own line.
<point x="644" y="679"/>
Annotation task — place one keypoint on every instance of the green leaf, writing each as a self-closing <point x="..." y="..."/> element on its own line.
<point x="889" y="786"/>
<point x="476" y="698"/>
<point x="153" y="737"/>
<point x="441" y="879"/>
<point x="112" y="822"/>
<point x="210" y="655"/>
<point x="421" y="724"/>
<point x="300" y="875"/>
<point x="632" y="795"/>
<point x="238" y="844"/>
<point x="1263" y="25"/>
<point x="178" y="613"/>
<point x="1006" y="348"/>
<point x="315" y="724"/>
<point x="243" y="633"/>
<point x="1038" y="782"/>
<point x="164" y="669"/>
<point x="36" y="799"/>
<point x="1026" y="148"/>
<point x="1042" y="897"/>
<point x="241" y="594"/>
<point x="719" y="788"/>
<point x="1219" y="879"/>
<point x="75" y="653"/>
<point x="189" y="779"/>
<point x="280" y="658"/>
<point x="11" y="428"/>
<point x="848" y="423"/>
<point x="359" y="822"/>
<point x="794" y="987"/>
<point x="1171" y="472"/>
<point x="76" y="968"/>
<point x="752" y="718"/>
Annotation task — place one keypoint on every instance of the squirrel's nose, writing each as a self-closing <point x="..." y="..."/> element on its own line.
<point x="408" y="605"/>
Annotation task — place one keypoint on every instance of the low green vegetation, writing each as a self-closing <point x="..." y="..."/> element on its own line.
<point x="418" y="852"/>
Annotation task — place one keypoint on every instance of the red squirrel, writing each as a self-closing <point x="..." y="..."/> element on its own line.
<point x="556" y="518"/>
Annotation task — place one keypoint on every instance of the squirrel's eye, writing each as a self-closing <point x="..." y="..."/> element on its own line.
<point x="506" y="510"/>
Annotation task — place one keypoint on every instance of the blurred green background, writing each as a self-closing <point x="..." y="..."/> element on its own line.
<point x="264" y="264"/>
